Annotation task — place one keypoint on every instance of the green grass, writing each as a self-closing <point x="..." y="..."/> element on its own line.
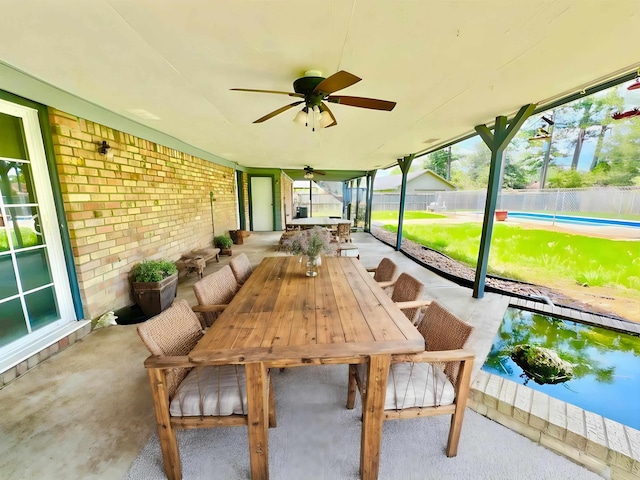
<point x="536" y="255"/>
<point x="28" y="236"/>
<point x="414" y="215"/>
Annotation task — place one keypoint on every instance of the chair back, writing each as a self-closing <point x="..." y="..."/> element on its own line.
<point x="217" y="288"/>
<point x="406" y="289"/>
<point x="241" y="268"/>
<point x="343" y="232"/>
<point x="442" y="330"/>
<point x="386" y="270"/>
<point x="173" y="332"/>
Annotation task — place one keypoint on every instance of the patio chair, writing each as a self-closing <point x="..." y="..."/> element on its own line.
<point x="406" y="294"/>
<point x="241" y="268"/>
<point x="384" y="273"/>
<point x="186" y="395"/>
<point x="213" y="293"/>
<point x="343" y="233"/>
<point x="433" y="382"/>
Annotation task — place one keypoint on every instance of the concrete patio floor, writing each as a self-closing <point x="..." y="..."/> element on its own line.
<point x="86" y="412"/>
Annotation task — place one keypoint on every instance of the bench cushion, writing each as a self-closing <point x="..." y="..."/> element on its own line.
<point x="211" y="391"/>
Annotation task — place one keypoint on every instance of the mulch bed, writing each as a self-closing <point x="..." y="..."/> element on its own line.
<point x="461" y="274"/>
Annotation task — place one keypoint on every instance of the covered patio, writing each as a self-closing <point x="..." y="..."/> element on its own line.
<point x="121" y="140"/>
<point x="93" y="399"/>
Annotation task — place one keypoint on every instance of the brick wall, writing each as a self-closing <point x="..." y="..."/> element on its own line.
<point x="142" y="200"/>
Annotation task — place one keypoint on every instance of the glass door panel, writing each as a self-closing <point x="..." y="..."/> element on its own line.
<point x="12" y="321"/>
<point x="42" y="307"/>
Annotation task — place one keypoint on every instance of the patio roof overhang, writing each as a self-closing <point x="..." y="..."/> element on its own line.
<point x="163" y="71"/>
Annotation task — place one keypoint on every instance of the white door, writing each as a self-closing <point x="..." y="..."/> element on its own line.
<point x="35" y="296"/>
<point x="261" y="204"/>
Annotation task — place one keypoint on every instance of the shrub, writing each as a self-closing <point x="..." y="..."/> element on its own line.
<point x="223" y="241"/>
<point x="153" y="270"/>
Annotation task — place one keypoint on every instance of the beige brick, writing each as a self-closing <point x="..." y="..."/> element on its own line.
<point x="618" y="473"/>
<point x="539" y="411"/>
<point x="506" y="397"/>
<point x="619" y="451"/>
<point x="596" y="436"/>
<point x="557" y="426"/>
<point x="509" y="422"/>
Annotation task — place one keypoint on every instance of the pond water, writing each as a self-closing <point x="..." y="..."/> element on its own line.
<point x="606" y="363"/>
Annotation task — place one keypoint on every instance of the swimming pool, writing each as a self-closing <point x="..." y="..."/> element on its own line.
<point x="606" y="363"/>
<point x="608" y="222"/>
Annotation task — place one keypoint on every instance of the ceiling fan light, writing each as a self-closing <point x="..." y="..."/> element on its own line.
<point x="301" y="117"/>
<point x="325" y="119"/>
<point x="308" y="175"/>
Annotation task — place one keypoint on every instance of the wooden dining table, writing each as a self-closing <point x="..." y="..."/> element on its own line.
<point x="282" y="318"/>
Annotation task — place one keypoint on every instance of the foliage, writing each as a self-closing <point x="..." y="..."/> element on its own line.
<point x="437" y="161"/>
<point x="560" y="178"/>
<point x="311" y="242"/>
<point x="223" y="241"/>
<point x="541" y="364"/>
<point x="28" y="236"/>
<point x="536" y="255"/>
<point x="153" y="270"/>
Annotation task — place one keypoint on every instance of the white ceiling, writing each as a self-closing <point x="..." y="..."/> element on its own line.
<point x="449" y="65"/>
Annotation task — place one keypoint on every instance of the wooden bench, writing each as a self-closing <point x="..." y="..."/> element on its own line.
<point x="196" y="260"/>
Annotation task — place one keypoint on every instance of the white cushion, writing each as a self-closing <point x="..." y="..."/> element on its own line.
<point x="417" y="385"/>
<point x="211" y="391"/>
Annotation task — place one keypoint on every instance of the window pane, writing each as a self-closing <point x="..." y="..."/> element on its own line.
<point x="24" y="226"/>
<point x="15" y="182"/>
<point x="12" y="324"/>
<point x="11" y="137"/>
<point x="33" y="268"/>
<point x="8" y="284"/>
<point x="42" y="307"/>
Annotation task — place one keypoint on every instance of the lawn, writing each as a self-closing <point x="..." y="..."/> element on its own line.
<point x="537" y="256"/>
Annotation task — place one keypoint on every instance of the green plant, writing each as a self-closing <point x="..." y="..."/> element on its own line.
<point x="153" y="270"/>
<point x="223" y="241"/>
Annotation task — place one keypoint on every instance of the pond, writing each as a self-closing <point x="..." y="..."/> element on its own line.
<point x="606" y="363"/>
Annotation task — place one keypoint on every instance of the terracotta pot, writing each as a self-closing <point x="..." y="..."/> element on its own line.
<point x="501" y="215"/>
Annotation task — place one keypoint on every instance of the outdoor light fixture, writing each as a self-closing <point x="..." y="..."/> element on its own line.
<point x="314" y="116"/>
<point x="103" y="148"/>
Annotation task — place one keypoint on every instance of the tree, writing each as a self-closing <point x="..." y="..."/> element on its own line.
<point x="440" y="162"/>
<point x="587" y="118"/>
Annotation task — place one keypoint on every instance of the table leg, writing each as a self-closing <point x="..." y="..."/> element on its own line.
<point x="258" y="420"/>
<point x="373" y="414"/>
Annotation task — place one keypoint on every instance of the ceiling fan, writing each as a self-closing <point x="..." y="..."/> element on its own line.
<point x="309" y="172"/>
<point x="315" y="90"/>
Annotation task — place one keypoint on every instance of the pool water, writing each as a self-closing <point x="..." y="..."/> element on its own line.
<point x="606" y="363"/>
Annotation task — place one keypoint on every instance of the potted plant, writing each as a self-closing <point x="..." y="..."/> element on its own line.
<point x="224" y="243"/>
<point x="154" y="283"/>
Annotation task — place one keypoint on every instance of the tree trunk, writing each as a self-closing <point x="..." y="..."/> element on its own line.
<point x="596" y="154"/>
<point x="578" y="149"/>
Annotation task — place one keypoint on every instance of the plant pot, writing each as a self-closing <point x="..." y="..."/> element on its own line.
<point x="154" y="297"/>
<point x="501" y="215"/>
<point x="225" y="251"/>
<point x="237" y="238"/>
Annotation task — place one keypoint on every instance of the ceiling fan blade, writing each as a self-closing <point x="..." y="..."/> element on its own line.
<point x="323" y="106"/>
<point x="291" y="94"/>
<point x="277" y="112"/>
<point x="371" y="103"/>
<point x="336" y="82"/>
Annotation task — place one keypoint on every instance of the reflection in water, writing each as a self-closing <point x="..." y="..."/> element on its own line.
<point x="606" y="364"/>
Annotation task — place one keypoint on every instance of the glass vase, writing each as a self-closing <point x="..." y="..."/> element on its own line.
<point x="312" y="266"/>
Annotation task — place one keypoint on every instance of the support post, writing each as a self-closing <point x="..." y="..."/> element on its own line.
<point x="405" y="165"/>
<point x="358" y="182"/>
<point x="370" y="179"/>
<point x="497" y="141"/>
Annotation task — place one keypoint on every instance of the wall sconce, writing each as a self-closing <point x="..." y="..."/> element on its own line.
<point x="103" y="148"/>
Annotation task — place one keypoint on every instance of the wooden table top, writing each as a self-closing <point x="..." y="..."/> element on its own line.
<point x="284" y="318"/>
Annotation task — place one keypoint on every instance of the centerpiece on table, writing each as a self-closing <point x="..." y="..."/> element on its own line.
<point x="312" y="243"/>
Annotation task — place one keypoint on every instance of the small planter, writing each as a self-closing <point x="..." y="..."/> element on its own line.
<point x="154" y="297"/>
<point x="501" y="215"/>
<point x="238" y="236"/>
<point x="226" y="251"/>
